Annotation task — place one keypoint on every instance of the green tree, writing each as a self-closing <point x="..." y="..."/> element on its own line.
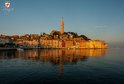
<point x="84" y="37"/>
<point x="56" y="33"/>
<point x="74" y="34"/>
<point x="44" y="33"/>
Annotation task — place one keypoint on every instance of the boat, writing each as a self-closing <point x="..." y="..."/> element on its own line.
<point x="20" y="49"/>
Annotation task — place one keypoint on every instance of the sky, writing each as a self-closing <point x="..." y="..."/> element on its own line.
<point x="97" y="19"/>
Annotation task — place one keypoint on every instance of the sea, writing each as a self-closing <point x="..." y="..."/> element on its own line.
<point x="62" y="66"/>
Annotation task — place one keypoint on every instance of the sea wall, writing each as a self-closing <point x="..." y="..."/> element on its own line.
<point x="73" y="44"/>
<point x="93" y="44"/>
<point x="64" y="44"/>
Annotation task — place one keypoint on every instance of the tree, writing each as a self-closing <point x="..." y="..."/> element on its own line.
<point x="44" y="33"/>
<point x="84" y="37"/>
<point x="65" y="33"/>
<point x="56" y="33"/>
<point x="74" y="34"/>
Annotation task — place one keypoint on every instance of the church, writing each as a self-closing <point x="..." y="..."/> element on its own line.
<point x="61" y="28"/>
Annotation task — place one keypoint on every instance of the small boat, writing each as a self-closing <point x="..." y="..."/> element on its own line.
<point x="20" y="49"/>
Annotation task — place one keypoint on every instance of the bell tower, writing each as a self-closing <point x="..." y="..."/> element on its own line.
<point x="61" y="26"/>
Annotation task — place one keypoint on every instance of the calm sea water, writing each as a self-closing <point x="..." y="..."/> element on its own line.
<point x="86" y="66"/>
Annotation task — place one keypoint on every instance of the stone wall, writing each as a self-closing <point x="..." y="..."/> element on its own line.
<point x="93" y="44"/>
<point x="64" y="43"/>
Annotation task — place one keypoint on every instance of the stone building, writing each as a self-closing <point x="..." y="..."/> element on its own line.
<point x="62" y="26"/>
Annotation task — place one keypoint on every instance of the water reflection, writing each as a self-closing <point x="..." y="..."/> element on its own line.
<point x="8" y="55"/>
<point x="54" y="56"/>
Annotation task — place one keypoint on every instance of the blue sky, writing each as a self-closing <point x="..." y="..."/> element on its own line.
<point x="97" y="19"/>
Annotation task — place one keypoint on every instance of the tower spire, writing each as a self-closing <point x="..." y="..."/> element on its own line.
<point x="61" y="25"/>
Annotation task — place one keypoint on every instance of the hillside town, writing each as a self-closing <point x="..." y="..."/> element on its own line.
<point x="56" y="39"/>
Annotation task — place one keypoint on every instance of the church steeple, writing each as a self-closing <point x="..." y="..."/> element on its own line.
<point x="61" y="26"/>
